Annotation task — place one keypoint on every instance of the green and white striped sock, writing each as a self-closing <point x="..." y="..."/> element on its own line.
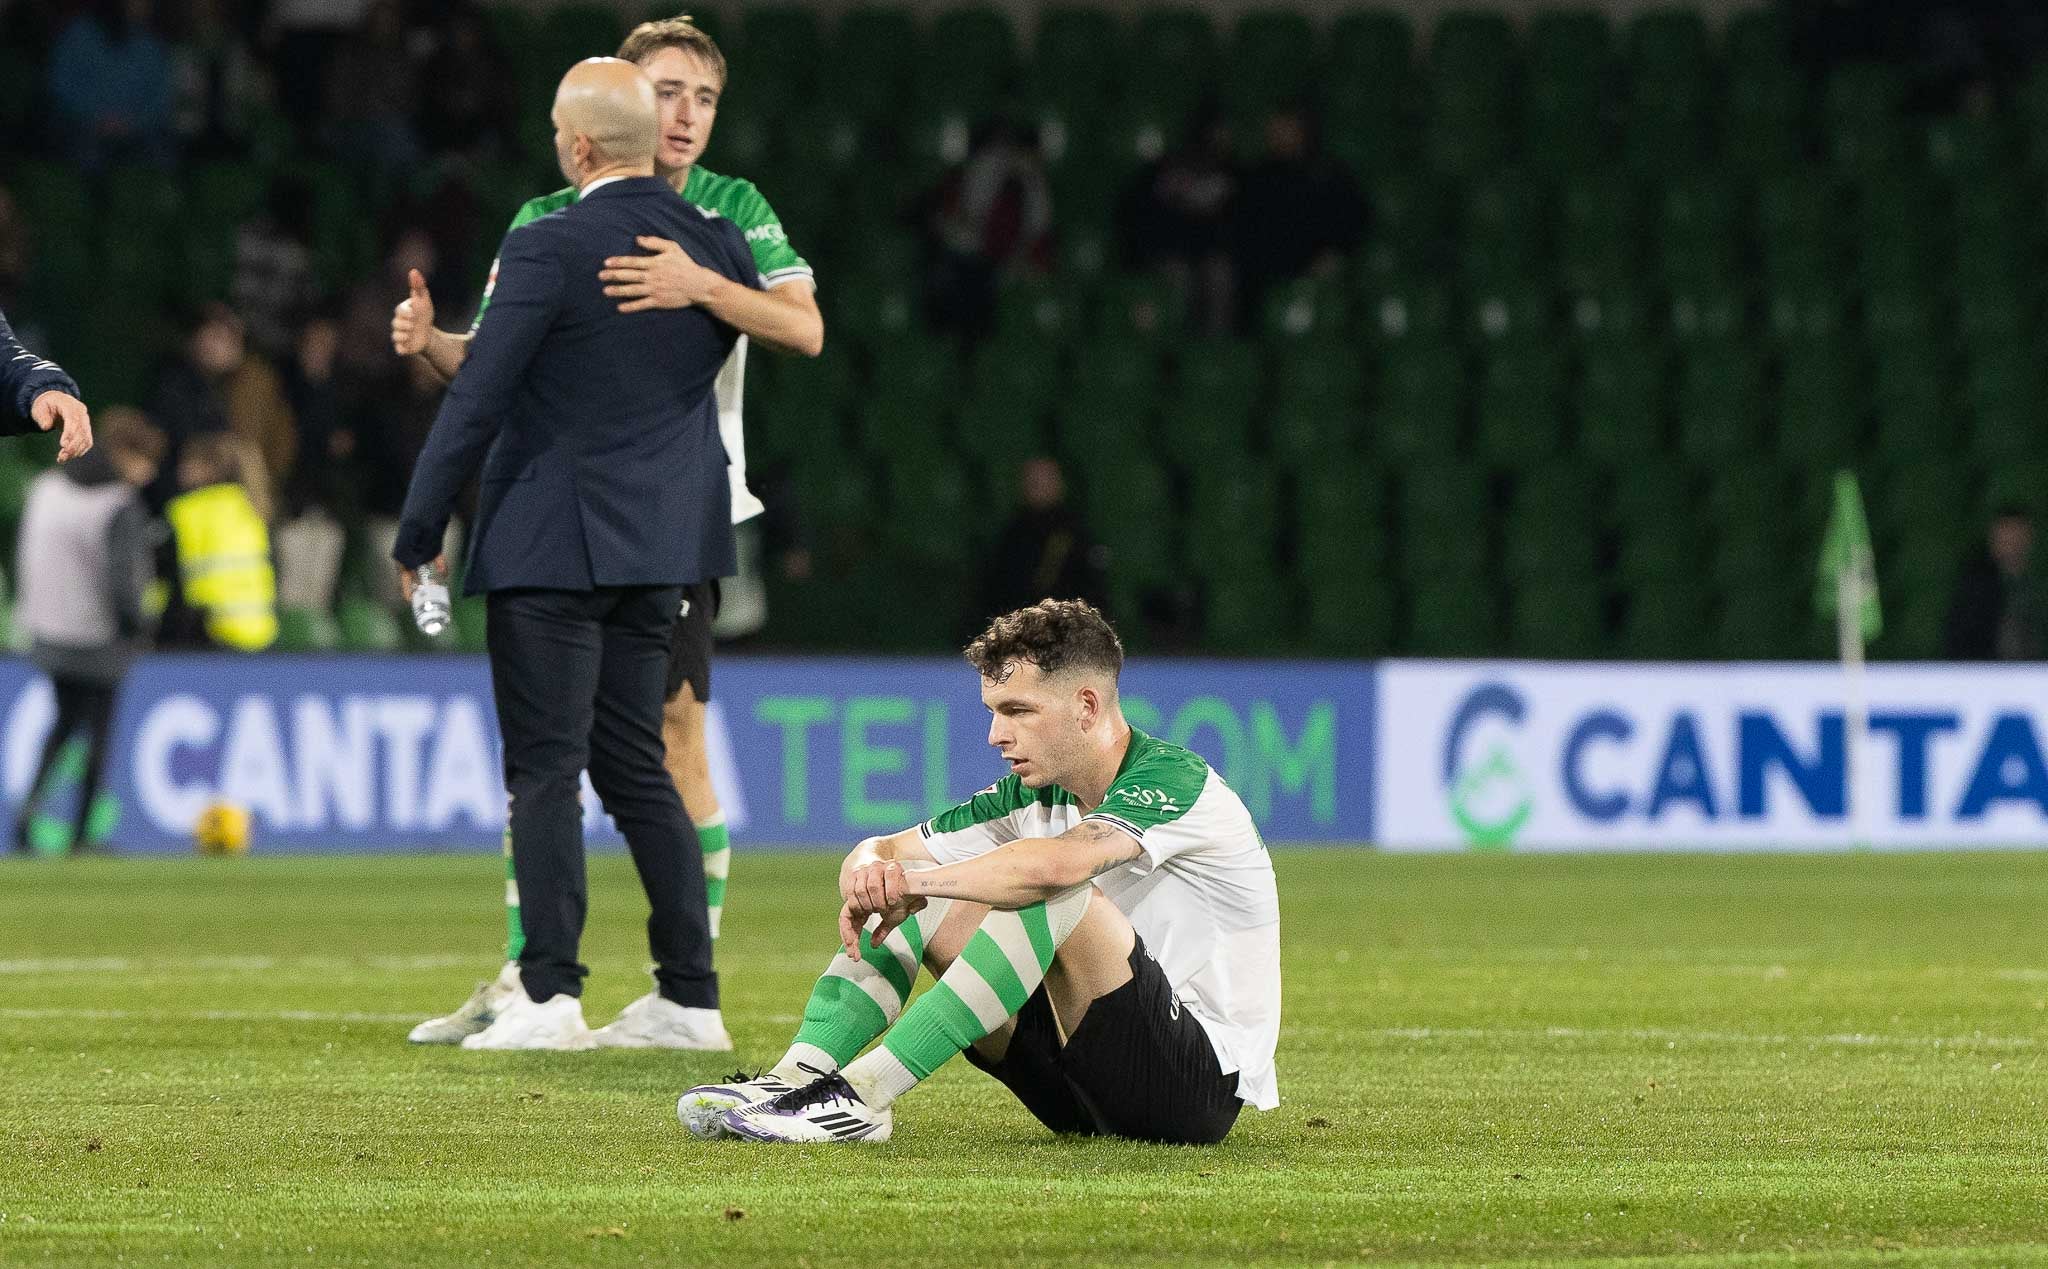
<point x="515" y="934"/>
<point x="1001" y="966"/>
<point x="717" y="864"/>
<point x="856" y="1000"/>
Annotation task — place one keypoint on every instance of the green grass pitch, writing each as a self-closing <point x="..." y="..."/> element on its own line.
<point x="1708" y="1060"/>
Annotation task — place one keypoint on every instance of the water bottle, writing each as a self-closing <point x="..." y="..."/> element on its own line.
<point x="429" y="601"/>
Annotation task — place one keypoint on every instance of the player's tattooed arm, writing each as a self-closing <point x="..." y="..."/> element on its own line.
<point x="1033" y="869"/>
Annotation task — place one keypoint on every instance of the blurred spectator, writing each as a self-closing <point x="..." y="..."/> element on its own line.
<point x="1995" y="613"/>
<point x="14" y="256"/>
<point x="1044" y="552"/>
<point x="992" y="216"/>
<point x="312" y="535"/>
<point x="372" y="92"/>
<point x="1298" y="212"/>
<point x="109" y="84"/>
<point x="216" y="385"/>
<point x="273" y="285"/>
<point x="471" y="89"/>
<point x="84" y="560"/>
<point x="224" y="589"/>
<point x="221" y="86"/>
<point x="1177" y="219"/>
<point x="303" y="35"/>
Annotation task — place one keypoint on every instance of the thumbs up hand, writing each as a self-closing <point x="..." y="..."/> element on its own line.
<point x="412" y="322"/>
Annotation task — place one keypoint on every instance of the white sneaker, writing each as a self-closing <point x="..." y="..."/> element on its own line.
<point x="476" y="1013"/>
<point x="555" y="1023"/>
<point x="654" y="1022"/>
<point x="826" y="1109"/>
<point x="703" y="1108"/>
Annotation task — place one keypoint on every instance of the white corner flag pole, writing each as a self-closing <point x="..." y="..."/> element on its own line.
<point x="1850" y="594"/>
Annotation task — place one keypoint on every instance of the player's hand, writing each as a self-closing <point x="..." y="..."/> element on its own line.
<point x="52" y="408"/>
<point x="408" y="580"/>
<point x="669" y="278"/>
<point x="412" y="322"/>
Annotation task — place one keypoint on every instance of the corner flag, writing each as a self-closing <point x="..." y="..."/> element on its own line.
<point x="1848" y="566"/>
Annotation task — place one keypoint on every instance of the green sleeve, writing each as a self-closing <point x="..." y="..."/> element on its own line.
<point x="773" y="255"/>
<point x="1005" y="797"/>
<point x="1157" y="789"/>
<point x="531" y="209"/>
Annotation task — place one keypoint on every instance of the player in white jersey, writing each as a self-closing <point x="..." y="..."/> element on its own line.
<point x="1102" y="923"/>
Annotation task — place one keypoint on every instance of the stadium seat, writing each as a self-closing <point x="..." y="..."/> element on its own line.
<point x="1251" y="613"/>
<point x="1764" y="619"/>
<point x="1272" y="56"/>
<point x="1665" y="620"/>
<point x="1340" y="524"/>
<point x="1445" y="519"/>
<point x="1123" y="373"/>
<point x="1510" y="308"/>
<point x="1599" y="232"/>
<point x="875" y="53"/>
<point x="1521" y="407"/>
<point x="1308" y="309"/>
<point x="1452" y="616"/>
<point x="1076" y="56"/>
<point x="1133" y="515"/>
<point x="1620" y="404"/>
<point x="779" y="43"/>
<point x="1216" y="385"/>
<point x="1235" y="527"/>
<point x="1820" y="405"/>
<point x="932" y="485"/>
<point x="1720" y="407"/>
<point x="1371" y="43"/>
<point x="1421" y="406"/>
<point x="1352" y="619"/>
<point x="1407" y="311"/>
<point x="973" y="56"/>
<point x="1558" y="618"/>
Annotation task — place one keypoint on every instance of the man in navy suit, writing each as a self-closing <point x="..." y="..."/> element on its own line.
<point x="604" y="493"/>
<point x="39" y="396"/>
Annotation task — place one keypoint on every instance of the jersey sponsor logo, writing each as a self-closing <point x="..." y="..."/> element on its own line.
<point x="770" y="232"/>
<point x="1157" y="799"/>
<point x="708" y="213"/>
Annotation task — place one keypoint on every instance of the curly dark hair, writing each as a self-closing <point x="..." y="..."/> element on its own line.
<point x="1052" y="634"/>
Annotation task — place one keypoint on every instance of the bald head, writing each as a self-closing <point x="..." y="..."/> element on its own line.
<point x="605" y="118"/>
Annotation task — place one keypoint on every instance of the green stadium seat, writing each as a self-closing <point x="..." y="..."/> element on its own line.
<point x="1126" y="374"/>
<point x="1558" y="619"/>
<point x="1762" y="621"/>
<point x="1709" y="313"/>
<point x="1570" y="62"/>
<point x="1860" y="107"/>
<point x="1620" y="403"/>
<point x="1272" y="55"/>
<point x="1236" y="523"/>
<point x="797" y="403"/>
<point x="1599" y="234"/>
<point x="1820" y="408"/>
<point x="2003" y="385"/>
<point x="1761" y="112"/>
<point x="1665" y="620"/>
<point x="1307" y="309"/>
<point x="1340" y="524"/>
<point x="1038" y="309"/>
<point x="875" y="53"/>
<point x="1141" y="308"/>
<point x="1546" y="547"/>
<point x="1407" y="312"/>
<point x="1612" y="314"/>
<point x="1076" y="55"/>
<point x="1354" y="619"/>
<point x="1131" y="511"/>
<point x="1172" y="55"/>
<point x="928" y="486"/>
<point x="836" y="496"/>
<point x="1217" y="384"/>
<point x="973" y="57"/>
<point x="1452" y="616"/>
<point x="2016" y="482"/>
<point x="1444" y="514"/>
<point x="1511" y="310"/>
<point x="1521" y="407"/>
<point x="1250" y="614"/>
<point x="1421" y="405"/>
<point x="1651" y="490"/>
<point x="1371" y="43"/>
<point x="780" y="43"/>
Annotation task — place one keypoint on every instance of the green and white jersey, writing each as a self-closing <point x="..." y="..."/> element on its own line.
<point x="1201" y="894"/>
<point x="738" y="201"/>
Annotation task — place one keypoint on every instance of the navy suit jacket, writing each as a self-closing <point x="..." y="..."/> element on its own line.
<point x="604" y="465"/>
<point x="24" y="377"/>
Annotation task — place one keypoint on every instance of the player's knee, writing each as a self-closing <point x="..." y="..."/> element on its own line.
<point x="945" y="944"/>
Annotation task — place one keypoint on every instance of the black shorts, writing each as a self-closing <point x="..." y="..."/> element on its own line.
<point x="1139" y="1066"/>
<point x="689" y="645"/>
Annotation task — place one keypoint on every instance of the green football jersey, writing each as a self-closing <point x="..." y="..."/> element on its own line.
<point x="739" y="202"/>
<point x="730" y="196"/>
<point x="1200" y="892"/>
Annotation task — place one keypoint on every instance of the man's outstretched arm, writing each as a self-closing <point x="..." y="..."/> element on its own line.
<point x="1030" y="870"/>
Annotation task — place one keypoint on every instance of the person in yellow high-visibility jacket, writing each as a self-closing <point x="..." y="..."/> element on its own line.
<point x="224" y="573"/>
